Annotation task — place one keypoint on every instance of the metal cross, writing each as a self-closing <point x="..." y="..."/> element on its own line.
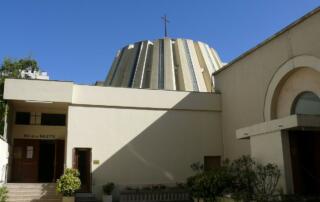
<point x="165" y="21"/>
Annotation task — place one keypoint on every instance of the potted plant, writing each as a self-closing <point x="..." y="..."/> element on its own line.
<point x="107" y="190"/>
<point x="3" y="193"/>
<point x="68" y="184"/>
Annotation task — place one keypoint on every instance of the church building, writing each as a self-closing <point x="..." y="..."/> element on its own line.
<point x="168" y="103"/>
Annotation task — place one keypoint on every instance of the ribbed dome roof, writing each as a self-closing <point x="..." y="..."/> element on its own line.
<point x="171" y="64"/>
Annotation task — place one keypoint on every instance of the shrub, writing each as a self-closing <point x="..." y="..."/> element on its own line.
<point x="210" y="184"/>
<point x="3" y="194"/>
<point x="244" y="178"/>
<point x="69" y="182"/>
<point x="267" y="178"/>
<point x="252" y="180"/>
<point x="108" y="188"/>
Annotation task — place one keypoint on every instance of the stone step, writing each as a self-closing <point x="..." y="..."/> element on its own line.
<point x="32" y="197"/>
<point x="35" y="200"/>
<point x="33" y="192"/>
<point x="31" y="185"/>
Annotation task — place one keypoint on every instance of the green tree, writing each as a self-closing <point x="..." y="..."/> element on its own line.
<point x="13" y="69"/>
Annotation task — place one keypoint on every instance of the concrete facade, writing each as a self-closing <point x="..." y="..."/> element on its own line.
<point x="170" y="64"/>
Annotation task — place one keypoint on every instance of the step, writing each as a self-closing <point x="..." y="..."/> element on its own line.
<point x="31" y="185"/>
<point x="35" y="200"/>
<point x="26" y="191"/>
<point x="33" y="192"/>
<point x="30" y="197"/>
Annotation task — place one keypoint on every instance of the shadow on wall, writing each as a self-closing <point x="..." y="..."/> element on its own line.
<point x="163" y="152"/>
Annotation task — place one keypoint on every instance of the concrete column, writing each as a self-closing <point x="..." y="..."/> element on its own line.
<point x="187" y="81"/>
<point x="196" y="67"/>
<point x="169" y="78"/>
<point x="155" y="66"/>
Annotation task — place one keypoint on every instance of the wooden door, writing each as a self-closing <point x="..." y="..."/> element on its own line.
<point x="305" y="158"/>
<point x="25" y="160"/>
<point x="59" y="159"/>
<point x="82" y="162"/>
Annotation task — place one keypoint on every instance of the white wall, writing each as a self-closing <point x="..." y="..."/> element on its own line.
<point x="143" y="146"/>
<point x="3" y="159"/>
<point x="38" y="90"/>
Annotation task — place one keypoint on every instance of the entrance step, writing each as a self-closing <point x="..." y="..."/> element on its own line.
<point x="33" y="192"/>
<point x="85" y="197"/>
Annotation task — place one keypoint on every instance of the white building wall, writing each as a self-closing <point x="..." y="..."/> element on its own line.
<point x="4" y="155"/>
<point x="144" y="146"/>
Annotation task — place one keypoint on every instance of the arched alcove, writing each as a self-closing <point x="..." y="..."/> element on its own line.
<point x="279" y="97"/>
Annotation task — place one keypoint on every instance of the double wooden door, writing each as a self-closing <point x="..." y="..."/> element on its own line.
<point x="36" y="160"/>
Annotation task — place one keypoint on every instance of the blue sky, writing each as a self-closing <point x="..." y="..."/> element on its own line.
<point x="77" y="39"/>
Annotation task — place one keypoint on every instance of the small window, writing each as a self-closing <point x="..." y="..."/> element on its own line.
<point x="29" y="152"/>
<point x="212" y="162"/>
<point x="306" y="103"/>
<point x="53" y="119"/>
<point x="23" y="118"/>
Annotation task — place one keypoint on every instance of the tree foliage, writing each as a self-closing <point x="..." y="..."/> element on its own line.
<point x="13" y="69"/>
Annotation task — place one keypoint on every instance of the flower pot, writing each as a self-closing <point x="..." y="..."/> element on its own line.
<point x="107" y="198"/>
<point x="68" y="199"/>
<point x="225" y="199"/>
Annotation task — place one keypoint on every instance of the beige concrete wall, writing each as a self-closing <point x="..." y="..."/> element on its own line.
<point x="140" y="98"/>
<point x="56" y="95"/>
<point x="143" y="146"/>
<point x="260" y="148"/>
<point x="244" y="83"/>
<point x="38" y="90"/>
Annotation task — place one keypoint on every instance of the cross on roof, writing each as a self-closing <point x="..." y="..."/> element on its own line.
<point x="165" y="21"/>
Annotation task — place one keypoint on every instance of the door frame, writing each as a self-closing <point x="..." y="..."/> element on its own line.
<point x="75" y="163"/>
